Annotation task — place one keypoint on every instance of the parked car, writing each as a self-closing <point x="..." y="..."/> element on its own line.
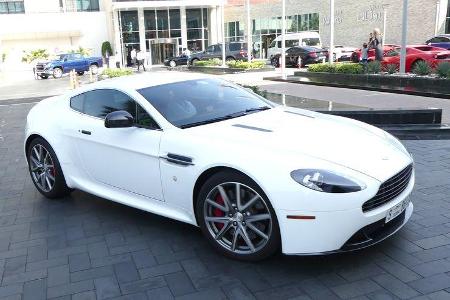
<point x="301" y="56"/>
<point x="342" y="53"/>
<point x="306" y="38"/>
<point x="233" y="51"/>
<point x="174" y="61"/>
<point x="441" y="41"/>
<point x="317" y="184"/>
<point x="67" y="62"/>
<point x="356" y="55"/>
<point x="415" y="54"/>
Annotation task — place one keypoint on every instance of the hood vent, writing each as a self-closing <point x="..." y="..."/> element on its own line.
<point x="300" y="114"/>
<point x="252" y="128"/>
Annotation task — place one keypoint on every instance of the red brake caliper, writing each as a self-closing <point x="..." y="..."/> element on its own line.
<point x="217" y="212"/>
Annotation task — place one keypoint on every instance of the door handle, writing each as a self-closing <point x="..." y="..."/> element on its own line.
<point x="85" y="132"/>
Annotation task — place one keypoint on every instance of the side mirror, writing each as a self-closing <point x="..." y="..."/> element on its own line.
<point x="119" y="119"/>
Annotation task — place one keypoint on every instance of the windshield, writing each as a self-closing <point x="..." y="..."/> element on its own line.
<point x="196" y="102"/>
<point x="60" y="56"/>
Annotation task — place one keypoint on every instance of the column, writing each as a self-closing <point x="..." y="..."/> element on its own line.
<point x="141" y="29"/>
<point x="213" y="25"/>
<point x="183" y="27"/>
<point x="117" y="43"/>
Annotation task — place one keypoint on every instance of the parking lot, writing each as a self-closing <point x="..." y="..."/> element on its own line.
<point x="85" y="247"/>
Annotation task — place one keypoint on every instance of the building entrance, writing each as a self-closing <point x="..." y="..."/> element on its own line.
<point x="162" y="49"/>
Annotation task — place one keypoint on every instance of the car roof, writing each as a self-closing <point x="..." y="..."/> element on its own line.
<point x="144" y="80"/>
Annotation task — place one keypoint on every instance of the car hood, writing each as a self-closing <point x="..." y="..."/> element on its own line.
<point x="288" y="133"/>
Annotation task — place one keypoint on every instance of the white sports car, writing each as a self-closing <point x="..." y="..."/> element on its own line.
<point x="254" y="176"/>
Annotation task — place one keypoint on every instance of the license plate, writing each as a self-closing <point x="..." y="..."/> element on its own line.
<point x="397" y="210"/>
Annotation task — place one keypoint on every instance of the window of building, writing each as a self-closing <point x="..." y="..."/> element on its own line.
<point x="12" y="7"/>
<point x="197" y="28"/>
<point x="81" y="5"/>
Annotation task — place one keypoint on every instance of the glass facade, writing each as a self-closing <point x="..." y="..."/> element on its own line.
<point x="12" y="7"/>
<point x="265" y="30"/>
<point x="82" y="5"/>
<point x="197" y="28"/>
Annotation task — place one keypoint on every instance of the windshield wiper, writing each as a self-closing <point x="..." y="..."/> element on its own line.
<point x="226" y="117"/>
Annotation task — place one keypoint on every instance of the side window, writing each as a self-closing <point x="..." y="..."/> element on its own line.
<point x="210" y="49"/>
<point x="143" y="118"/>
<point x="279" y="44"/>
<point x="217" y="48"/>
<point x="99" y="103"/>
<point x="77" y="102"/>
<point x="76" y="56"/>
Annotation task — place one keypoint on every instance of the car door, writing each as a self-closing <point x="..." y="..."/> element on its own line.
<point x="123" y="158"/>
<point x="392" y="57"/>
<point x="218" y="52"/>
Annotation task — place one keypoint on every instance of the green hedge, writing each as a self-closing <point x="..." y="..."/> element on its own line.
<point x="117" y="72"/>
<point x="208" y="63"/>
<point x="347" y="68"/>
<point x="239" y="64"/>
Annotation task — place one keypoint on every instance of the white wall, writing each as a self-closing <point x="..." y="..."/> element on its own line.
<point x="37" y="6"/>
<point x="53" y="31"/>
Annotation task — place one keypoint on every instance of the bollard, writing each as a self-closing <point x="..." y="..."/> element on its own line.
<point x="91" y="77"/>
<point x="72" y="86"/>
<point x="75" y="76"/>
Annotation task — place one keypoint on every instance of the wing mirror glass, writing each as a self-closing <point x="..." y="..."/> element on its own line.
<point x="119" y="119"/>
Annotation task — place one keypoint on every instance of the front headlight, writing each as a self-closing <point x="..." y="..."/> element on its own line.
<point x="325" y="181"/>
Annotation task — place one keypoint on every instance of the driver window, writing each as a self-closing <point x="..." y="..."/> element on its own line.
<point x="210" y="49"/>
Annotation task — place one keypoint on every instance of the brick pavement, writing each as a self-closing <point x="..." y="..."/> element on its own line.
<point x="84" y="247"/>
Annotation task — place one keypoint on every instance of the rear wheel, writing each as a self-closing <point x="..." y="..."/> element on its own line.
<point x="236" y="217"/>
<point x="230" y="58"/>
<point x="172" y="64"/>
<point x="80" y="73"/>
<point x="94" y="68"/>
<point x="193" y="61"/>
<point x="45" y="169"/>
<point x="275" y="61"/>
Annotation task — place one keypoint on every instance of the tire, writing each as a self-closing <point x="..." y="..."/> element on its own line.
<point x="172" y="64"/>
<point x="236" y="234"/>
<point x="230" y="58"/>
<point x="57" y="73"/>
<point x="80" y="73"/>
<point x="44" y="76"/>
<point x="275" y="62"/>
<point x="193" y="61"/>
<point x="94" y="69"/>
<point x="43" y="160"/>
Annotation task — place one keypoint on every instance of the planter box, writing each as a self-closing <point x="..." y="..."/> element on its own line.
<point x="226" y="70"/>
<point x="423" y="86"/>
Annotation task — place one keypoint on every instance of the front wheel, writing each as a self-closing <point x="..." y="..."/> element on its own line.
<point x="236" y="217"/>
<point x="172" y="64"/>
<point x="80" y="73"/>
<point x="57" y="73"/>
<point x="45" y="169"/>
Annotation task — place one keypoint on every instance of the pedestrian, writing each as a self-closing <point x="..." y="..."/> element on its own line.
<point x="107" y="58"/>
<point x="140" y="60"/>
<point x="365" y="56"/>
<point x="377" y="44"/>
<point x="133" y="57"/>
<point x="186" y="52"/>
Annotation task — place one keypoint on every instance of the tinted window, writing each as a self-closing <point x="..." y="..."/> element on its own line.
<point x="235" y="46"/>
<point x="184" y="103"/>
<point x="311" y="42"/>
<point x="144" y="119"/>
<point x="77" y="102"/>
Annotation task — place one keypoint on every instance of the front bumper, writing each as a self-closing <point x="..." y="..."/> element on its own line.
<point x="340" y="231"/>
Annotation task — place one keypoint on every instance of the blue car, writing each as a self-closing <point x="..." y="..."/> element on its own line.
<point x="64" y="63"/>
<point x="441" y="41"/>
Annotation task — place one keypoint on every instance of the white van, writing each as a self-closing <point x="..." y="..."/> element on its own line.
<point x="306" y="38"/>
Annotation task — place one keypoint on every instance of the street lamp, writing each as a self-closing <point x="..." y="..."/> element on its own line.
<point x="404" y="37"/>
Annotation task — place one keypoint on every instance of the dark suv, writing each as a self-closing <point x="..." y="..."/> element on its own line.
<point x="233" y="51"/>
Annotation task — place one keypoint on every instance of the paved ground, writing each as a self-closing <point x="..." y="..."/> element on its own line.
<point x="84" y="247"/>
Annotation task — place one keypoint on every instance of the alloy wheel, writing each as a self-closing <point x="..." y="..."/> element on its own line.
<point x="57" y="73"/>
<point x="173" y="64"/>
<point x="94" y="69"/>
<point x="42" y="168"/>
<point x="237" y="218"/>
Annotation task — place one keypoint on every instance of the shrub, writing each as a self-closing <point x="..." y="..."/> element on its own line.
<point x="239" y="64"/>
<point x="82" y="51"/>
<point x="106" y="47"/>
<point x="347" y="68"/>
<point x="391" y="68"/>
<point x="35" y="54"/>
<point x="3" y="57"/>
<point x="350" y="68"/>
<point x="374" y="67"/>
<point x="422" y="68"/>
<point x="208" y="63"/>
<point x="117" y="72"/>
<point x="443" y="70"/>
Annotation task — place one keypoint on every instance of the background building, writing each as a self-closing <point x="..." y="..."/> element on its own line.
<point x="354" y="20"/>
<point x="163" y="28"/>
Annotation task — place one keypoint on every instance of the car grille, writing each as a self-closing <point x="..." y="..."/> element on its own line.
<point x="390" y="189"/>
<point x="40" y="67"/>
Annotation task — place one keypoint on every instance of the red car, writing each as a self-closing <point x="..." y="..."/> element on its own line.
<point x="414" y="54"/>
<point x="356" y="55"/>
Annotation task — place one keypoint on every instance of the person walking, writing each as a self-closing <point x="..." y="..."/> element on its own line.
<point x="186" y="52"/>
<point x="377" y="44"/>
<point x="140" y="60"/>
<point x="133" y="57"/>
<point x="365" y="56"/>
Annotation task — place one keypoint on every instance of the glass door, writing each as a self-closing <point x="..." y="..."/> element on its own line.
<point x="162" y="49"/>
